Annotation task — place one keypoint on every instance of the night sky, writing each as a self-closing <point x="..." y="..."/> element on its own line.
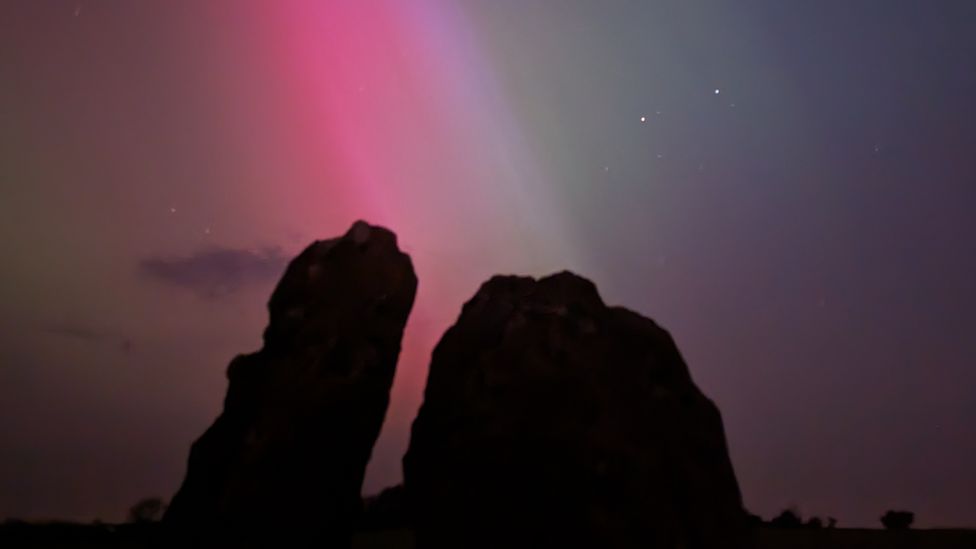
<point x="788" y="187"/>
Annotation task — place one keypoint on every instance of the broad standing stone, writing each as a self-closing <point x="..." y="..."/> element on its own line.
<point x="552" y="420"/>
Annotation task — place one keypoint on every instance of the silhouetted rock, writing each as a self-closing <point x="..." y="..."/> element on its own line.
<point x="385" y="511"/>
<point x="552" y="420"/>
<point x="285" y="460"/>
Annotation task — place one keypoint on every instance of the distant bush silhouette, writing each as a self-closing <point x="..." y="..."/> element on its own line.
<point x="754" y="521"/>
<point x="898" y="520"/>
<point x="146" y="510"/>
<point x="831" y="522"/>
<point x="814" y="523"/>
<point x="789" y="518"/>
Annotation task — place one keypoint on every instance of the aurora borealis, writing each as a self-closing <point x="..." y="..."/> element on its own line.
<point x="787" y="188"/>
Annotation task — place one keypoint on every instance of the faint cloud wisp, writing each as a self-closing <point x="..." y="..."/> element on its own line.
<point x="216" y="272"/>
<point x="83" y="333"/>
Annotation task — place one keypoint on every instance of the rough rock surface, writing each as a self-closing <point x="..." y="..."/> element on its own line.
<point x="552" y="420"/>
<point x="284" y="462"/>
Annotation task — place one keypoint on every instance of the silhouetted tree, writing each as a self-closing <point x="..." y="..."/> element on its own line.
<point x="831" y="522"/>
<point x="146" y="510"/>
<point x="789" y="518"/>
<point x="898" y="520"/>
<point x="814" y="523"/>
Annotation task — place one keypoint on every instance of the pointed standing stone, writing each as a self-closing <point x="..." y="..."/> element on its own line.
<point x="284" y="463"/>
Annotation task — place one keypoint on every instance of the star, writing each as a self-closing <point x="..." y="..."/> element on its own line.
<point x="717" y="91"/>
<point x="172" y="210"/>
<point x="643" y="119"/>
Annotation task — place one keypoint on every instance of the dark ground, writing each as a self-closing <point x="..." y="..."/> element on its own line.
<point x="857" y="538"/>
<point x="17" y="536"/>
